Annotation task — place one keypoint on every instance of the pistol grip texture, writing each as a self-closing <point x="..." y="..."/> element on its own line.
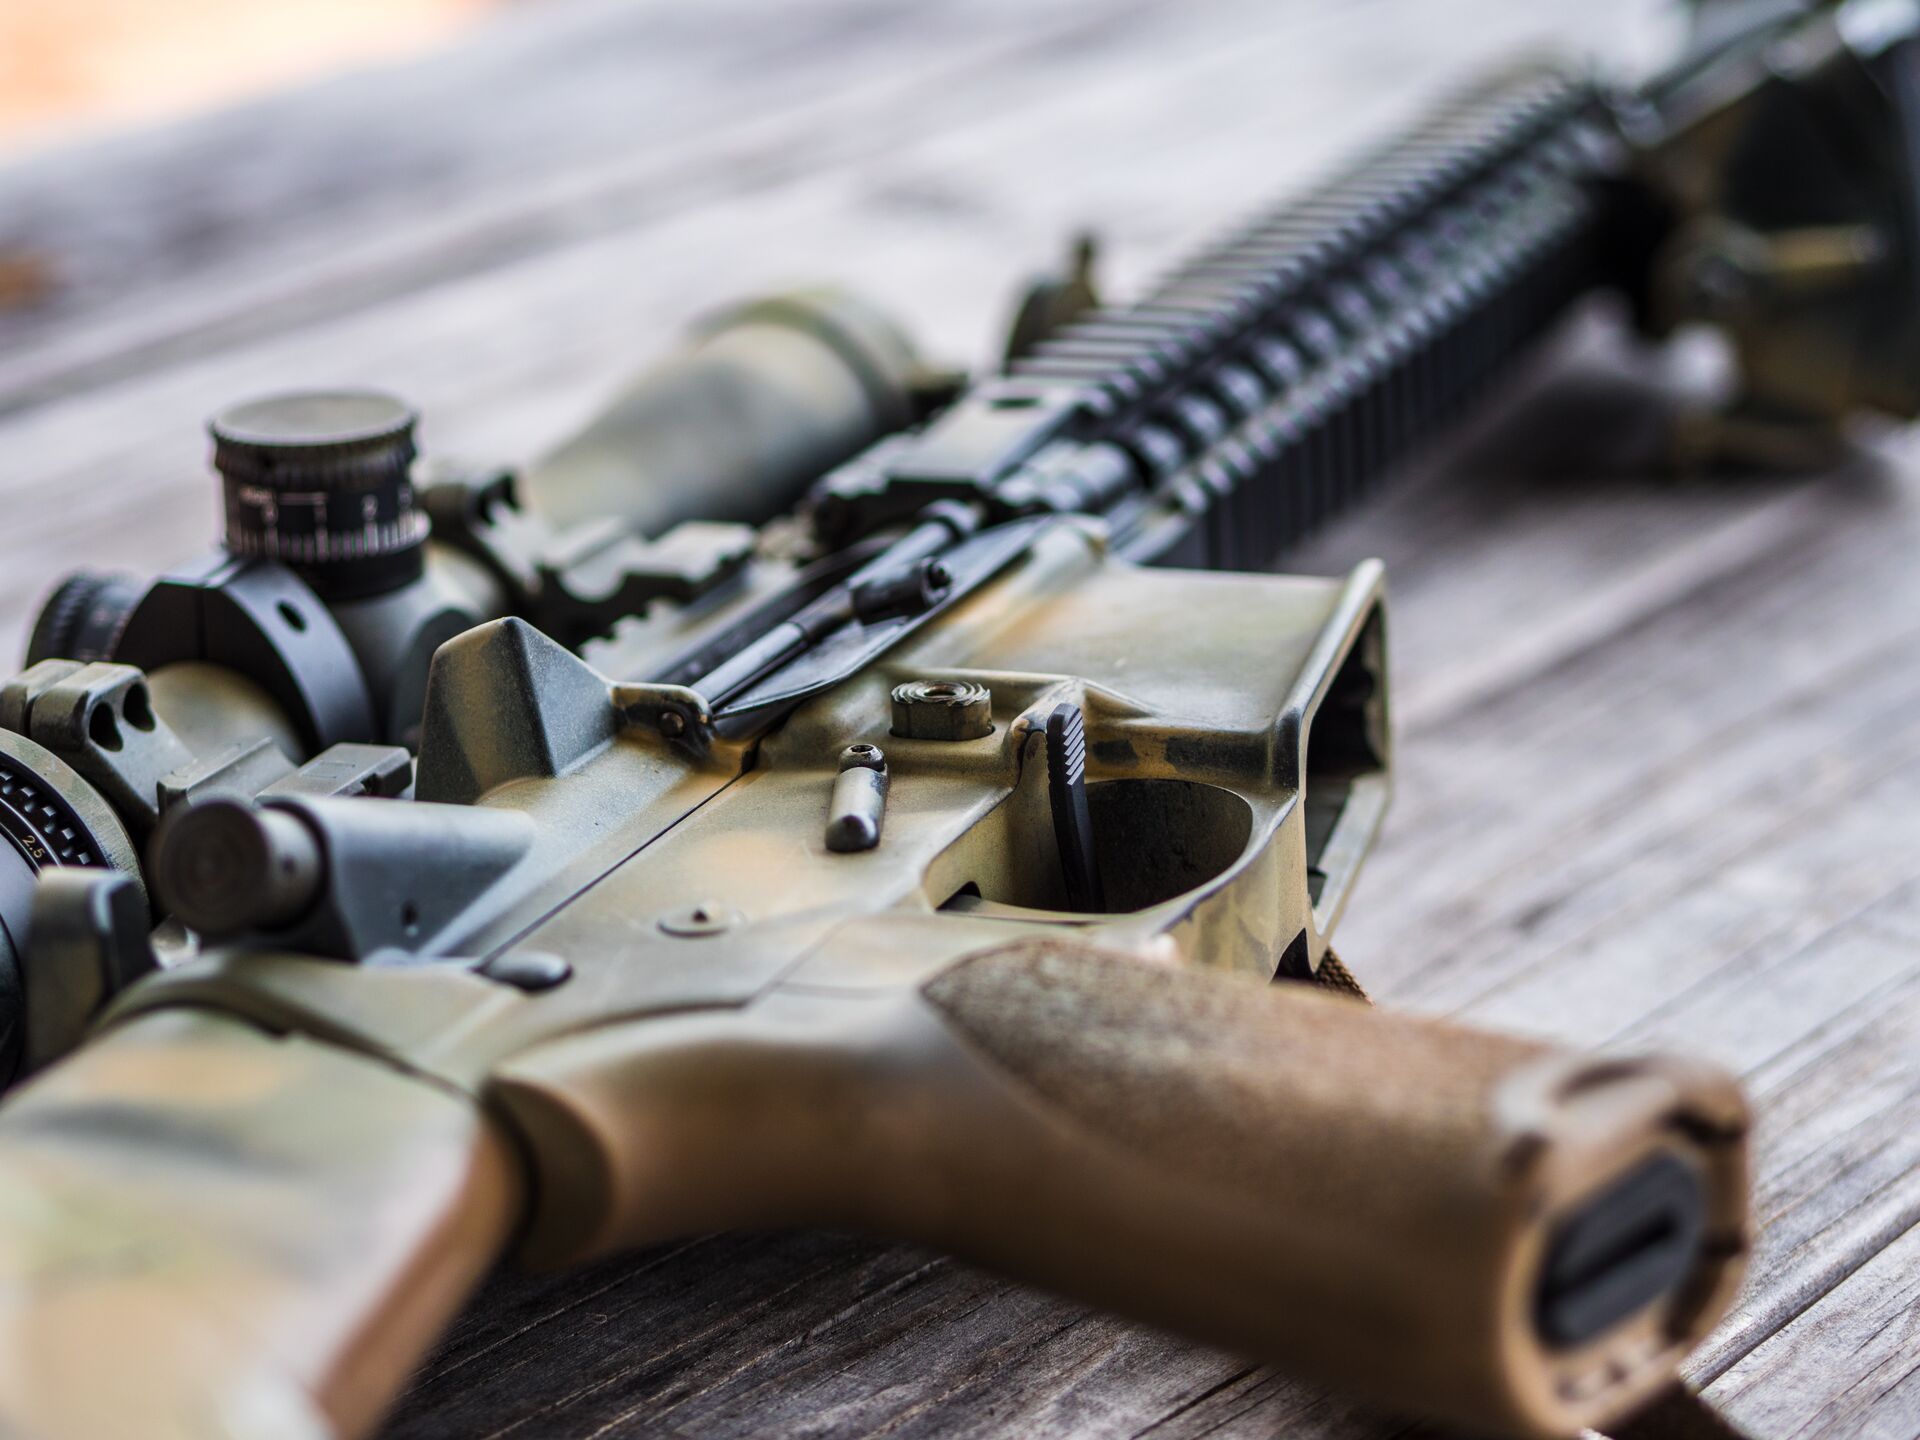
<point x="1365" y="1198"/>
<point x="207" y="1232"/>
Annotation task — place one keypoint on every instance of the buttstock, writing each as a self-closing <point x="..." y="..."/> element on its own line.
<point x="210" y="1233"/>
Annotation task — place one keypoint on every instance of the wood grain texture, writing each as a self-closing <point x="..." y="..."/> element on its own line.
<point x="1659" y="743"/>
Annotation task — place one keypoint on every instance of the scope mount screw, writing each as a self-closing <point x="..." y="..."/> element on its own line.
<point x="942" y="710"/>
<point x="530" y="971"/>
<point x="702" y="919"/>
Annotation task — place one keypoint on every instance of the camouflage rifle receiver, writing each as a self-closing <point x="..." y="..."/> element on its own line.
<point x="823" y="793"/>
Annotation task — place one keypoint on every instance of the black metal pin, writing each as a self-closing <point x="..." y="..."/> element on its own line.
<point x="1067" y="794"/>
<point x="859" y="804"/>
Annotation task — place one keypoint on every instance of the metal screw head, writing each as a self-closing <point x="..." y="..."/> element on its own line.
<point x="704" y="918"/>
<point x="528" y="970"/>
<point x="673" y="724"/>
<point x="864" y="757"/>
<point x="942" y="710"/>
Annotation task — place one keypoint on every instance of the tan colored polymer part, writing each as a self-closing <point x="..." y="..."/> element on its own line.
<point x="1361" y="1196"/>
<point x="208" y="1232"/>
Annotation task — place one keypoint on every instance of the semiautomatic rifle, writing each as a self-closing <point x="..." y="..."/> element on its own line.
<point x="826" y="792"/>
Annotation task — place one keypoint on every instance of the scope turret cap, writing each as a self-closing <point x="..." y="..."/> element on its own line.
<point x="321" y="480"/>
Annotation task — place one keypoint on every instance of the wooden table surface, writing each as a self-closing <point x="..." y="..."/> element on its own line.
<point x="1659" y="744"/>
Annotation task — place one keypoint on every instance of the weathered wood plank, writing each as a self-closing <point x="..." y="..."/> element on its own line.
<point x="1676" y="773"/>
<point x="1658" y="744"/>
<point x="1848" y="1366"/>
<point x="601" y="117"/>
<point x="1839" y="1136"/>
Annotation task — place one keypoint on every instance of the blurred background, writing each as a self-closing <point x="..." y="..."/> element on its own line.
<point x="86" y="65"/>
<point x="499" y="208"/>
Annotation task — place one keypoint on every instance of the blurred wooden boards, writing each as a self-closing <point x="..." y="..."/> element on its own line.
<point x="81" y="64"/>
<point x="1658" y="744"/>
<point x="504" y="233"/>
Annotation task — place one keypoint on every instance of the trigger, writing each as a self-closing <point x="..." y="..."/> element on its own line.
<point x="1067" y="794"/>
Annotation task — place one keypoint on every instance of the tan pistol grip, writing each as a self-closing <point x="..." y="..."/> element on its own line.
<point x="1408" y="1209"/>
<point x="1369" y="1198"/>
<point x="208" y="1232"/>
